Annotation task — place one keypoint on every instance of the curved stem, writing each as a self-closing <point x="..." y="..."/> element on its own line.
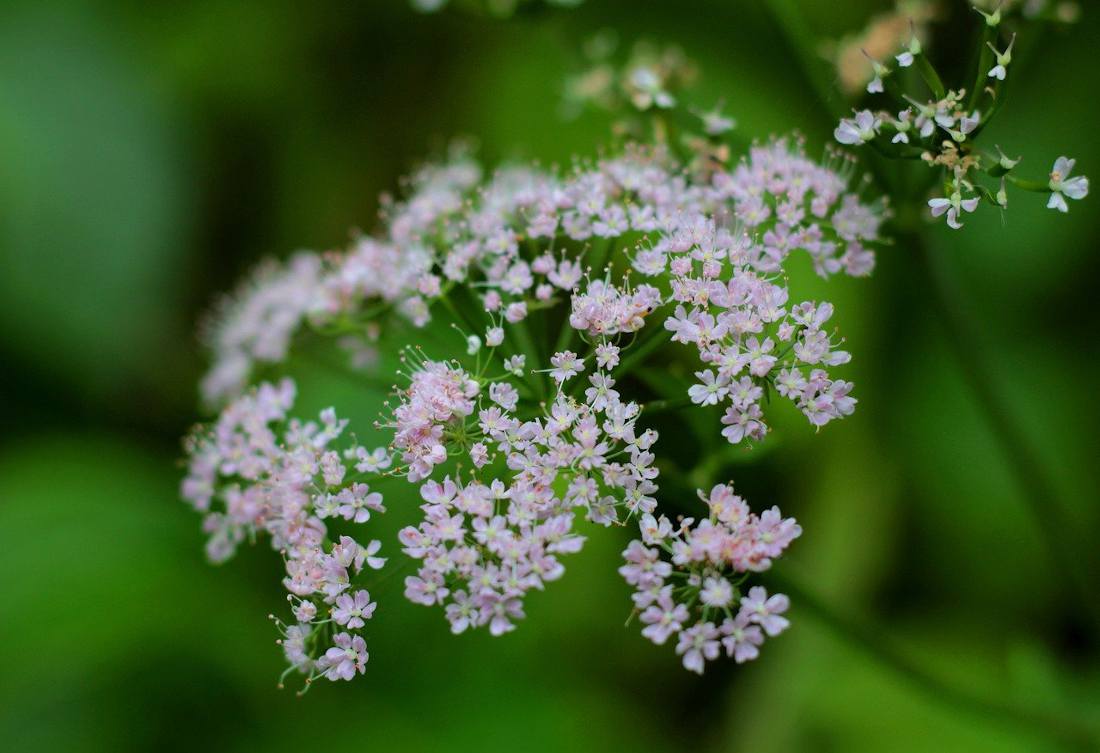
<point x="985" y="61"/>
<point x="1038" y="186"/>
<point x="930" y="76"/>
<point x="663" y="406"/>
<point x="873" y="641"/>
<point x="1038" y="490"/>
<point x="641" y="350"/>
<point x="803" y="45"/>
<point x="521" y="336"/>
<point x="459" y="313"/>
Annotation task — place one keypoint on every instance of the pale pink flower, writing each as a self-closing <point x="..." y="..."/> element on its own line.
<point x="766" y="611"/>
<point x="346" y="658"/>
<point x="698" y="644"/>
<point x="353" y="611"/>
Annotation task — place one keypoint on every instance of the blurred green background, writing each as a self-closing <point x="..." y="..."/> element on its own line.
<point x="152" y="152"/>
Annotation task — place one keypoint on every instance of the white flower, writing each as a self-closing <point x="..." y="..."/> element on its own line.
<point x="710" y="390"/>
<point x="1061" y="185"/>
<point x="1003" y="59"/>
<point x="1006" y="162"/>
<point x="858" y="130"/>
<point x="906" y="58"/>
<point x="716" y="592"/>
<point x="925" y="120"/>
<point x="372" y="462"/>
<point x="967" y="124"/>
<point x="515" y="364"/>
<point x="715" y="123"/>
<point x="881" y="71"/>
<point x="648" y="89"/>
<point x="954" y="205"/>
<point x="903" y="124"/>
<point x="566" y="365"/>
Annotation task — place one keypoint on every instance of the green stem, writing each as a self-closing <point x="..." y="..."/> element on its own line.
<point x="521" y="336"/>
<point x="637" y="353"/>
<point x="603" y="253"/>
<point x="459" y="313"/>
<point x="985" y="61"/>
<point x="803" y="45"/>
<point x="1038" y="491"/>
<point x="1038" y="186"/>
<point x="338" y="364"/>
<point x="668" y="387"/>
<point x="875" y="642"/>
<point x="930" y="76"/>
<point x="565" y="334"/>
<point x="655" y="407"/>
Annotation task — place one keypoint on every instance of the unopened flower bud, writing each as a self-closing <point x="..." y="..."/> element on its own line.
<point x="991" y="19"/>
<point x="1007" y="162"/>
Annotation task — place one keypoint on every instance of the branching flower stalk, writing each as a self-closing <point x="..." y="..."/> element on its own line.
<point x="942" y="133"/>
<point x="988" y="91"/>
<point x="531" y="418"/>
<point x="957" y="158"/>
<point x="512" y="440"/>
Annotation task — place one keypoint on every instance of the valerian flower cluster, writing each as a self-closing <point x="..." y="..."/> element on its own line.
<point x="521" y="440"/>
<point x="941" y="126"/>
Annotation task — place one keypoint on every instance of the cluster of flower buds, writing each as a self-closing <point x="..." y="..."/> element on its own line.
<point x="517" y="442"/>
<point x="688" y="579"/>
<point x="603" y="309"/>
<point x="439" y="395"/>
<point x="942" y="128"/>
<point x="254" y="471"/>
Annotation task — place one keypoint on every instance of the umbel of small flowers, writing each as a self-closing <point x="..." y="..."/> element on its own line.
<point x="941" y="126"/>
<point x="257" y="472"/>
<point x="515" y="443"/>
<point x="688" y="579"/>
<point x="489" y="538"/>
